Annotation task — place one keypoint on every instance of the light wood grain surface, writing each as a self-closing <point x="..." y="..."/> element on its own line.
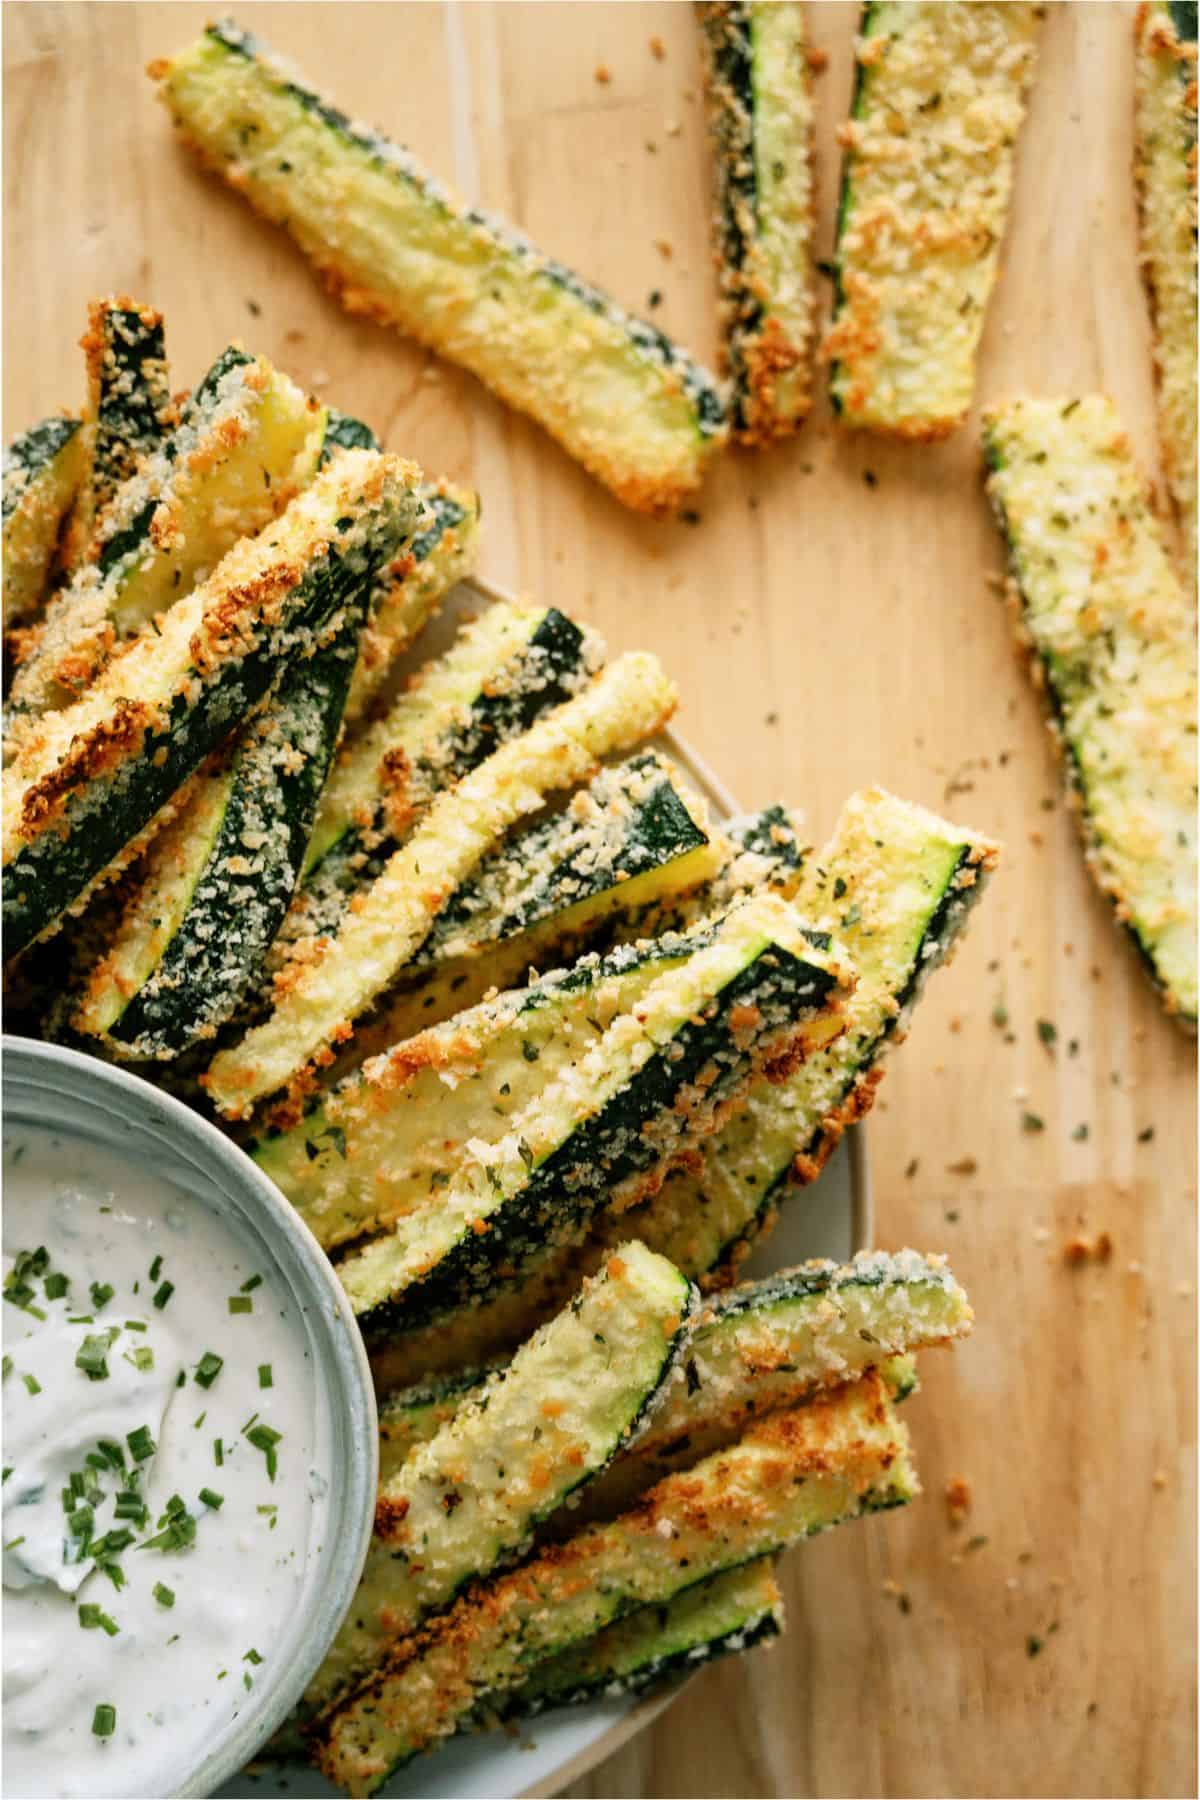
<point x="831" y="622"/>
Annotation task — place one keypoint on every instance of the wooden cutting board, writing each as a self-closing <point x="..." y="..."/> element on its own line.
<point x="832" y="620"/>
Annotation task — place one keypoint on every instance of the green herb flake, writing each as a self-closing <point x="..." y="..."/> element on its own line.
<point x="248" y="1287"/>
<point x="265" y="1378"/>
<point x="1031" y="1121"/>
<point x="56" y="1285"/>
<point x="104" y="1721"/>
<point x="156" y="1268"/>
<point x="208" y="1368"/>
<point x="101" y="1292"/>
<point x="94" y="1618"/>
<point x="141" y="1444"/>
<point x="1047" y="1032"/>
<point x="252" y="1656"/>
<point x="265" y="1438"/>
<point x="211" y="1499"/>
<point x="218" y="1453"/>
<point x="163" y="1293"/>
<point x="140" y="1357"/>
<point x="240" y="1303"/>
<point x="33" y="1385"/>
<point x="163" y="1594"/>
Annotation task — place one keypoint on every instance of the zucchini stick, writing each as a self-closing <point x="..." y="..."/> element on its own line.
<point x="927" y="172"/>
<point x="1112" y="642"/>
<point x="43" y="469"/>
<point x="390" y="242"/>
<point x="760" y="113"/>
<point x="1165" y="166"/>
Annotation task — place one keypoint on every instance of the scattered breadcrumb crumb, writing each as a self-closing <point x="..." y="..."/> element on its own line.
<point x="966" y="1165"/>
<point x="657" y="48"/>
<point x="1078" y="1250"/>
<point x="663" y="246"/>
<point x="818" y="60"/>
<point x="958" y="1499"/>
<point x="603" y="74"/>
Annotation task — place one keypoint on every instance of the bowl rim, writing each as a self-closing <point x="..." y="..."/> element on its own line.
<point x="341" y="1370"/>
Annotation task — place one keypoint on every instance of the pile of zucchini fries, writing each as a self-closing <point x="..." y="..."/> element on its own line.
<point x="533" y="1045"/>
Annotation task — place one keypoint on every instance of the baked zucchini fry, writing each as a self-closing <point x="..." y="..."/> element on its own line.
<point x="1112" y="640"/>
<point x="215" y="885"/>
<point x="760" y="115"/>
<point x="791" y="1476"/>
<point x="618" y="858"/>
<point x="1165" y="166"/>
<point x="894" y="888"/>
<point x="42" y="472"/>
<point x="627" y="701"/>
<point x="129" y="407"/>
<point x="247" y="442"/>
<point x="443" y="552"/>
<point x="89" y="779"/>
<point x="385" y="1140"/>
<point x="772" y="1344"/>
<point x="390" y="242"/>
<point x="927" y="169"/>
<point x="654" y="1084"/>
<point x="727" y="1613"/>
<point x="470" y="1496"/>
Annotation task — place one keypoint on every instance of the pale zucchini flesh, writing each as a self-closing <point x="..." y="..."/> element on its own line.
<point x="1165" y="121"/>
<point x="626" y="702"/>
<point x="761" y="127"/>
<point x="792" y="1475"/>
<point x="91" y="777"/>
<point x="1113" y="635"/>
<point x="390" y="241"/>
<point x="470" y="1496"/>
<point x="726" y="1614"/>
<point x="654" y="1084"/>
<point x="927" y="174"/>
<point x="42" y="472"/>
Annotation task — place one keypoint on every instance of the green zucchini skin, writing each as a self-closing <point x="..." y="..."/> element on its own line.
<point x="726" y="1614"/>
<point x="344" y="432"/>
<point x="43" y="468"/>
<point x="97" y="818"/>
<point x="567" y="346"/>
<point x="613" y="1146"/>
<point x="273" y="794"/>
<point x="557" y="650"/>
<point x="130" y="395"/>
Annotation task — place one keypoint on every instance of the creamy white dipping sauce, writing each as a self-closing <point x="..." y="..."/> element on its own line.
<point x="110" y="1393"/>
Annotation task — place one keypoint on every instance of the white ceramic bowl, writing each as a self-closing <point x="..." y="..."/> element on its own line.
<point x="58" y="1089"/>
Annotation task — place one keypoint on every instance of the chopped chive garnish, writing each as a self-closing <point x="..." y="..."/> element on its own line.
<point x="176" y="1527"/>
<point x="218" y="1453"/>
<point x="13" y="1543"/>
<point x="208" y="1368"/>
<point x="247" y="1683"/>
<point x="136" y="1325"/>
<point x="252" y="1656"/>
<point x="211" y="1499"/>
<point x="92" y="1356"/>
<point x="180" y="1379"/>
<point x="33" y="1385"/>
<point x="141" y="1356"/>
<point x="104" y="1721"/>
<point x="81" y="1318"/>
<point x="94" y="1618"/>
<point x="197" y="1423"/>
<point x="163" y="1293"/>
<point x="163" y="1594"/>
<point x="264" y="1438"/>
<point x="141" y="1444"/>
<point x="56" y="1285"/>
<point x="156" y="1268"/>
<point x="6" y="1364"/>
<point x="101" y="1292"/>
<point x="112" y="1452"/>
<point x="248" y="1287"/>
<point x="7" y="1471"/>
<point x="240" y="1303"/>
<point x="265" y="1377"/>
